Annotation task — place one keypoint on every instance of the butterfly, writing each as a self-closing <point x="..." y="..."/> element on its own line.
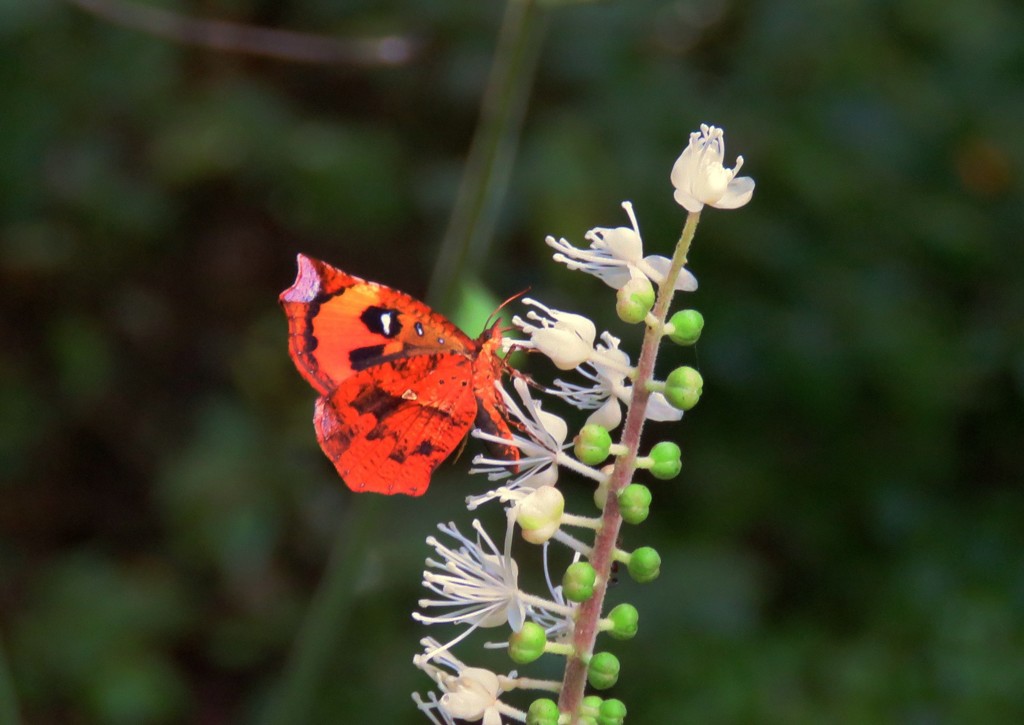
<point x="400" y="386"/>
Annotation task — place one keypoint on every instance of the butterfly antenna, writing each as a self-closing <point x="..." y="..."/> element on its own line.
<point x="495" y="315"/>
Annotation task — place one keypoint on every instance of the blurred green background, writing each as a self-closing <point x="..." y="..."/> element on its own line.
<point x="846" y="542"/>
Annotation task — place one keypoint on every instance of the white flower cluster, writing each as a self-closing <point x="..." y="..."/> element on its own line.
<point x="467" y="693"/>
<point x="474" y="584"/>
<point x="616" y="256"/>
<point x="477" y="586"/>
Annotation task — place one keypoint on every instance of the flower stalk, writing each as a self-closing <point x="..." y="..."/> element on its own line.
<point x="492" y="150"/>
<point x="603" y="553"/>
<point x="475" y="583"/>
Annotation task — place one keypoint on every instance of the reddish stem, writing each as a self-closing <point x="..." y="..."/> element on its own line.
<point x="585" y="633"/>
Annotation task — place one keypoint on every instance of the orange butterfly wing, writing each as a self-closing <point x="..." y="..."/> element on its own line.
<point x="400" y="385"/>
<point x="388" y="427"/>
<point x="339" y="324"/>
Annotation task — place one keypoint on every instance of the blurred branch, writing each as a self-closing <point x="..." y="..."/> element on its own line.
<point x="480" y="195"/>
<point x="326" y="623"/>
<point x="251" y="40"/>
<point x="8" y="697"/>
<point x="492" y="151"/>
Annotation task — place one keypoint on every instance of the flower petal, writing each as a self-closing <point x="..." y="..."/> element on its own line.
<point x="686" y="201"/>
<point x="614" y="277"/>
<point x="685" y="282"/>
<point x="608" y="416"/>
<point x="658" y="408"/>
<point x="622" y="242"/>
<point x="737" y="194"/>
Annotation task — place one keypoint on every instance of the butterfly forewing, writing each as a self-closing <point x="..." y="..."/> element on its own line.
<point x="339" y="324"/>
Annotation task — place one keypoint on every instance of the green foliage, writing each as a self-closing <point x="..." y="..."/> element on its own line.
<point x="846" y="544"/>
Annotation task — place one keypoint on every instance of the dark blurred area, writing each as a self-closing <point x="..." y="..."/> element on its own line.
<point x="845" y="542"/>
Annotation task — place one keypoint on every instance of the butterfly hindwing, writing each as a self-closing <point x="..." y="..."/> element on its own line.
<point x="388" y="427"/>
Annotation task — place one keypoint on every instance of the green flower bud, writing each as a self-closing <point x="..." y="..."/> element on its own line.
<point x="635" y="503"/>
<point x="666" y="456"/>
<point x="612" y="712"/>
<point x="634" y="300"/>
<point x="591" y="705"/>
<point x="578" y="581"/>
<point x="591" y="446"/>
<point x="527" y="644"/>
<point x="685" y="327"/>
<point x="543" y="711"/>
<point x="683" y="387"/>
<point x="644" y="565"/>
<point x="625" y="620"/>
<point x="603" y="670"/>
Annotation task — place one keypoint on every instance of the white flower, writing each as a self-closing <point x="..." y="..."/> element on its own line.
<point x="700" y="178"/>
<point x="540" y="449"/>
<point x="473" y="696"/>
<point x="607" y="370"/>
<point x="616" y="256"/>
<point x="468" y="693"/>
<point x="566" y="338"/>
<point x="476" y="582"/>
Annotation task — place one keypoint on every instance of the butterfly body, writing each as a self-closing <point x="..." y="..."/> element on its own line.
<point x="400" y="386"/>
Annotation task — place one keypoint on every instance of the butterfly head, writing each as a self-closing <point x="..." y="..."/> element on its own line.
<point x="496" y="329"/>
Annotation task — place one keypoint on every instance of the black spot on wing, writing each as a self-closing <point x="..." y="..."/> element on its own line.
<point x="311" y="340"/>
<point x="376" y="402"/>
<point x="383" y="405"/>
<point x="425" y="448"/>
<point x="381" y="321"/>
<point x="363" y="357"/>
